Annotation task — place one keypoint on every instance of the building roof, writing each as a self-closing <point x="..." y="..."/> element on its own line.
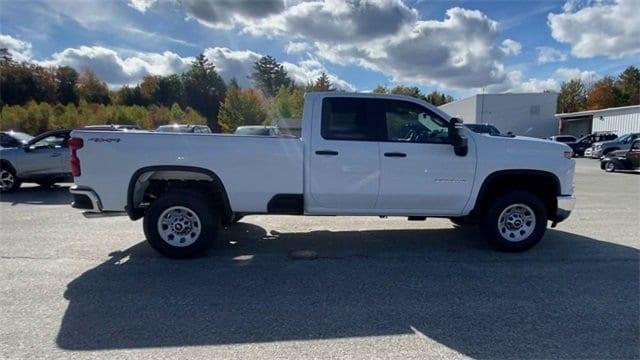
<point x="598" y="112"/>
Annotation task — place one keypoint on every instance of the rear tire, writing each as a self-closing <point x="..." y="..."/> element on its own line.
<point x="8" y="180"/>
<point x="515" y="221"/>
<point x="181" y="224"/>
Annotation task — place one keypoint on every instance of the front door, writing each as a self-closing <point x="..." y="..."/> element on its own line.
<point x="47" y="156"/>
<point x="419" y="170"/>
<point x="344" y="161"/>
<point x="633" y="156"/>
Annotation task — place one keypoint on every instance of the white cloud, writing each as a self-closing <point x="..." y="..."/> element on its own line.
<point x="19" y="50"/>
<point x="294" y="47"/>
<point x="141" y="5"/>
<point x="511" y="47"/>
<point x="606" y="29"/>
<point x="566" y="74"/>
<point x="115" y="69"/>
<point x="309" y="71"/>
<point x="548" y="54"/>
<point x="516" y="81"/>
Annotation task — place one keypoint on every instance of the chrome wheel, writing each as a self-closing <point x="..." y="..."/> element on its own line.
<point x="516" y="222"/>
<point x="179" y="226"/>
<point x="7" y="180"/>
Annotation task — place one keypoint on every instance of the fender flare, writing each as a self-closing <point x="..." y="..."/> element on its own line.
<point x="135" y="214"/>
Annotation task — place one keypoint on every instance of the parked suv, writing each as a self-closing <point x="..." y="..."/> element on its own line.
<point x="587" y="141"/>
<point x="622" y="143"/>
<point x="43" y="160"/>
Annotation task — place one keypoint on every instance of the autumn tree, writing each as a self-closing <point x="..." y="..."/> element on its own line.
<point x="269" y="76"/>
<point x="204" y="90"/>
<point x="91" y="89"/>
<point x="437" y="98"/>
<point x="242" y="107"/>
<point x="604" y="94"/>
<point x="322" y="83"/>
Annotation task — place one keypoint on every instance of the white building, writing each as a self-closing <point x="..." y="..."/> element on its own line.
<point x="528" y="114"/>
<point x="621" y="120"/>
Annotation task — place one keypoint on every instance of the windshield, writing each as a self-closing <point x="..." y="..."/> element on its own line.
<point x="22" y="137"/>
<point x="173" y="128"/>
<point x="484" y="129"/>
<point x="261" y="131"/>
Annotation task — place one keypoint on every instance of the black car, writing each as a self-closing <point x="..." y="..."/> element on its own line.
<point x="585" y="142"/>
<point x="622" y="159"/>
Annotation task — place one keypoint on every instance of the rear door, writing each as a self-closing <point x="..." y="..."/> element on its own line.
<point x="344" y="169"/>
<point x="633" y="156"/>
<point x="419" y="170"/>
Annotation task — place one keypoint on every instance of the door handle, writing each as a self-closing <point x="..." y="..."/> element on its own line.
<point x="395" y="154"/>
<point x="326" y="152"/>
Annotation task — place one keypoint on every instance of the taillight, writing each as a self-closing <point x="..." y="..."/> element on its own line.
<point x="74" y="145"/>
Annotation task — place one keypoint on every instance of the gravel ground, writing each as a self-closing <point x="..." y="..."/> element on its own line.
<point x="379" y="288"/>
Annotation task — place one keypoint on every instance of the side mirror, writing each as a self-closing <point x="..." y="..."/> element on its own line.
<point x="459" y="141"/>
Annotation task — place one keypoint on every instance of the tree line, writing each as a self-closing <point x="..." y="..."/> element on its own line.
<point x="579" y="95"/>
<point x="34" y="98"/>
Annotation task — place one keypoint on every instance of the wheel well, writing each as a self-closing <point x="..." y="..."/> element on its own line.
<point x="4" y="163"/>
<point x="544" y="184"/>
<point x="147" y="184"/>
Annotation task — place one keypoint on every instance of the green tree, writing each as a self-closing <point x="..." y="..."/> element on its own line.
<point x="176" y="112"/>
<point x="436" y="98"/>
<point x="572" y="96"/>
<point x="288" y="103"/>
<point x="407" y="91"/>
<point x="380" y="89"/>
<point x="91" y="89"/>
<point x="242" y="107"/>
<point x="204" y="90"/>
<point x="629" y="84"/>
<point x="170" y="90"/>
<point x="269" y="76"/>
<point x="67" y="79"/>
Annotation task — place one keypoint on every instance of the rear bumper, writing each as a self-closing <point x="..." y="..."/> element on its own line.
<point x="85" y="199"/>
<point x="566" y="203"/>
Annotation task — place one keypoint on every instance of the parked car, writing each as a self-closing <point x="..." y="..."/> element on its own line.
<point x="257" y="130"/>
<point x="113" y="127"/>
<point x="184" y="128"/>
<point x="622" y="143"/>
<point x="622" y="159"/>
<point x="581" y="145"/>
<point x="483" y="129"/>
<point x="587" y="152"/>
<point x="359" y="154"/>
<point x="11" y="139"/>
<point x="563" y="138"/>
<point x="43" y="160"/>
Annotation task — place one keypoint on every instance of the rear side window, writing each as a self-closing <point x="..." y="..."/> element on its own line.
<point x="347" y="119"/>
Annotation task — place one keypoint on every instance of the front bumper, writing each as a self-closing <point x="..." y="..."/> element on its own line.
<point x="85" y="199"/>
<point x="566" y="203"/>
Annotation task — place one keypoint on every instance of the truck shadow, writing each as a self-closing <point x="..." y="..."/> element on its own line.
<point x="570" y="297"/>
<point x="37" y="195"/>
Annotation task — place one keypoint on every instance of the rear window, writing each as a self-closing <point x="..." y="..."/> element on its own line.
<point x="347" y="119"/>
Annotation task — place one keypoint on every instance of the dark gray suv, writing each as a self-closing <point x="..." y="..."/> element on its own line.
<point x="622" y="143"/>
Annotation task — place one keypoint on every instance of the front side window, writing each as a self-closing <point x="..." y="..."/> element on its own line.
<point x="410" y="122"/>
<point x="51" y="142"/>
<point x="347" y="119"/>
<point x="635" y="146"/>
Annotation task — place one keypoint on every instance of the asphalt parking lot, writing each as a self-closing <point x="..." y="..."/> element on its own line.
<point x="380" y="288"/>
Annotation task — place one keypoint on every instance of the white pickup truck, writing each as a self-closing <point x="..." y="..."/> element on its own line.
<point x="359" y="154"/>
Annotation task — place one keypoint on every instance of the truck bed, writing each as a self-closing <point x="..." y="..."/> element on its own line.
<point x="252" y="168"/>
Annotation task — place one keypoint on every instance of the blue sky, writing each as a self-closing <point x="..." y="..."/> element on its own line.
<point x="459" y="47"/>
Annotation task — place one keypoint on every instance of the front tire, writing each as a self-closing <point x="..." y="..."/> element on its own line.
<point x="515" y="221"/>
<point x="181" y="224"/>
<point x="609" y="166"/>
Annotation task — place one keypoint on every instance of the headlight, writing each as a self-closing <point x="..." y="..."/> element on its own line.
<point x="568" y="154"/>
<point x="598" y="147"/>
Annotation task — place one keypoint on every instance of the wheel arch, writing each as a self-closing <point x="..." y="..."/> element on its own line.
<point x="179" y="175"/>
<point x="543" y="183"/>
<point x="7" y="163"/>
